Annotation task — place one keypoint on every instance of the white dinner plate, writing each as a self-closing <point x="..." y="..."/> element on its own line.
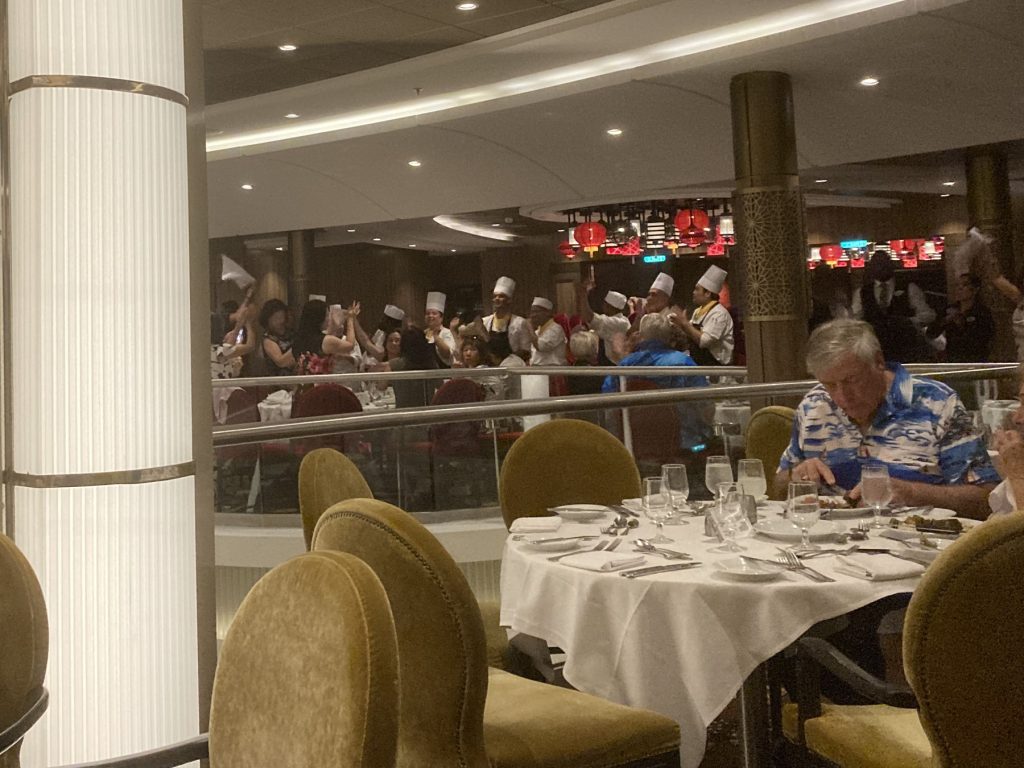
<point x="554" y="546"/>
<point x="580" y="512"/>
<point x="747" y="570"/>
<point x="935" y="514"/>
<point x="784" y="530"/>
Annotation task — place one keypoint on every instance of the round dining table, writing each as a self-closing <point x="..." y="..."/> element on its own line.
<point x="680" y="643"/>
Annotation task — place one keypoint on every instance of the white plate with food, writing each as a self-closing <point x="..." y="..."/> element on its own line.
<point x="785" y="530"/>
<point x="556" y="544"/>
<point x="580" y="513"/>
<point x="742" y="569"/>
<point x="839" y="508"/>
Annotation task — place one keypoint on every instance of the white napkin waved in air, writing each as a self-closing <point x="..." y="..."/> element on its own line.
<point x="536" y="524"/>
<point x="233" y="271"/>
<point x="603" y="561"/>
<point x="877" y="567"/>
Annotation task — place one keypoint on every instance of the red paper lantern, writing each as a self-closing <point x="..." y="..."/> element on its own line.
<point x="691" y="217"/>
<point x="566" y="249"/>
<point x="857" y="263"/>
<point x="896" y="246"/>
<point x="590" y="235"/>
<point x="831" y="253"/>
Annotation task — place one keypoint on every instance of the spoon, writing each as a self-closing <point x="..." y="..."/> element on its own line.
<point x="645" y="545"/>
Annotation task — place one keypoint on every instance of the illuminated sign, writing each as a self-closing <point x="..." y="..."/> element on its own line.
<point x="846" y="244"/>
<point x="654" y="258"/>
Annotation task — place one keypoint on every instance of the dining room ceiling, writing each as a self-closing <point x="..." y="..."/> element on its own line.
<point x="548" y="149"/>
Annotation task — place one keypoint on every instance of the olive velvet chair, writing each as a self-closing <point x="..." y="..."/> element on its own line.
<point x="326" y="477"/>
<point x="454" y="711"/>
<point x="565" y="461"/>
<point x="961" y="649"/>
<point x="768" y="435"/>
<point x="24" y="644"/>
<point x="307" y="675"/>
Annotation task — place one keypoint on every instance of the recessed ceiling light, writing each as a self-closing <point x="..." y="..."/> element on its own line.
<point x="944" y="194"/>
<point x="467" y="6"/>
<point x="495" y="225"/>
<point x="454" y="251"/>
<point x="291" y="116"/>
<point x="821" y="181"/>
<point x="350" y="230"/>
<point x="279" y="248"/>
<point x="376" y="239"/>
<point x="949" y="183"/>
<point x="247" y="187"/>
<point x="287" y="47"/>
<point x="415" y="163"/>
<point x="561" y="230"/>
<point x="412" y="245"/>
<point x="869" y="82"/>
<point x="614" y="131"/>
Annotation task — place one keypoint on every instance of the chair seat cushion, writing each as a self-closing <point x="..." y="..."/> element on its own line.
<point x="864" y="736"/>
<point x="535" y="725"/>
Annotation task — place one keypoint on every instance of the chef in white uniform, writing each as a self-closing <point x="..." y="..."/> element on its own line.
<point x="611" y="326"/>
<point x="710" y="328"/>
<point x="436" y="332"/>
<point x="546" y="336"/>
<point x="502" y="322"/>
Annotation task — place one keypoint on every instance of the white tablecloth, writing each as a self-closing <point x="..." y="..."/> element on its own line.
<point x="678" y="643"/>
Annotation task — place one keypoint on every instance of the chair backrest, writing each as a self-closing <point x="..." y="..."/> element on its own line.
<point x="962" y="648"/>
<point x="768" y="434"/>
<point x="441" y="640"/>
<point x="243" y="407"/>
<point x="458" y="438"/>
<point x="308" y="672"/>
<point x="325" y="478"/>
<point x="24" y="644"/>
<point x="565" y="461"/>
<point x="323" y="400"/>
<point x="654" y="428"/>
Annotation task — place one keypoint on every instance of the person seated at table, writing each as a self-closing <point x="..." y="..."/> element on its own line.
<point x="585" y="349"/>
<point x="866" y="410"/>
<point x="278" y="359"/>
<point x="1010" y="444"/>
<point x="417" y="354"/>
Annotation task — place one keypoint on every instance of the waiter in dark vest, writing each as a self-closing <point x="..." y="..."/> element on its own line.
<point x="709" y="329"/>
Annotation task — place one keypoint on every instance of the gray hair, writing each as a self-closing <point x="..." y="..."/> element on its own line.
<point x="655" y="327"/>
<point x="583" y="345"/>
<point x="831" y="342"/>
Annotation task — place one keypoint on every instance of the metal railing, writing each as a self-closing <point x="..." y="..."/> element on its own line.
<point x="243" y="434"/>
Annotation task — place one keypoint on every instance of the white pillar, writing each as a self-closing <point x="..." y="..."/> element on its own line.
<point x="100" y="443"/>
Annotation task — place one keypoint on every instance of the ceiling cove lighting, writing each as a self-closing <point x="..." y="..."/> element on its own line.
<point x="755" y="28"/>
<point x="287" y="47"/>
<point x="490" y="233"/>
<point x="869" y="82"/>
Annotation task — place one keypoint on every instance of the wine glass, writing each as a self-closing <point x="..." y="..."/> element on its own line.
<point x="657" y="506"/>
<point x="876" y="490"/>
<point x="717" y="470"/>
<point x="804" y="510"/>
<point x="750" y="475"/>
<point x="728" y="515"/>
<point x="676" y="484"/>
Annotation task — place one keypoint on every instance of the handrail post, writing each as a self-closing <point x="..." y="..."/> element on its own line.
<point x="627" y="431"/>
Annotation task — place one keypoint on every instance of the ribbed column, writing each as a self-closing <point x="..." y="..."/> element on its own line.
<point x="100" y="462"/>
<point x="771" y="243"/>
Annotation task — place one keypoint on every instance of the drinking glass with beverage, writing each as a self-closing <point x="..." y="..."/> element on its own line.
<point x="750" y="475"/>
<point x="876" y="490"/>
<point x="717" y="470"/>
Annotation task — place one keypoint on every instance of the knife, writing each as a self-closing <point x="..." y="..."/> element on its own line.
<point x="556" y="539"/>
<point x="622" y="510"/>
<point x="816" y="575"/>
<point x="657" y="569"/>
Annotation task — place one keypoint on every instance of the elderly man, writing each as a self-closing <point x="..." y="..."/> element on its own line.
<point x="546" y="336"/>
<point x="865" y="411"/>
<point x="502" y="323"/>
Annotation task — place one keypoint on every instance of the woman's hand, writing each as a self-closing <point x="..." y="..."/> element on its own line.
<point x="354" y="309"/>
<point x="454" y="324"/>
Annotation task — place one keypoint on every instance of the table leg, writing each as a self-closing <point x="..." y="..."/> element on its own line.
<point x="753" y="705"/>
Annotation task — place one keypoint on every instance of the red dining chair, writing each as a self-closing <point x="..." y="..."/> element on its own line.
<point x="323" y="400"/>
<point x="235" y="464"/>
<point x="460" y="467"/>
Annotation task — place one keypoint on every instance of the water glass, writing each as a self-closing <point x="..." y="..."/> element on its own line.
<point x="804" y="510"/>
<point x="876" y="490"/>
<point x="717" y="470"/>
<point x="750" y="474"/>
<point x="729" y="517"/>
<point x="676" y="483"/>
<point x="657" y="506"/>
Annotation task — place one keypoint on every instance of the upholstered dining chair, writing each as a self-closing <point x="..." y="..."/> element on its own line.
<point x="961" y="649"/>
<point x="454" y="711"/>
<point x="564" y="461"/>
<point x="307" y="675"/>
<point x="768" y="435"/>
<point x="327" y="476"/>
<point x="24" y="644"/>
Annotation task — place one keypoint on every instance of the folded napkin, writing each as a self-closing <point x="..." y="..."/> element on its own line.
<point x="603" y="561"/>
<point x="536" y="524"/>
<point x="877" y="567"/>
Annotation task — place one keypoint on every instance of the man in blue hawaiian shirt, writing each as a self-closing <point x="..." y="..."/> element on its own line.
<point x="867" y="411"/>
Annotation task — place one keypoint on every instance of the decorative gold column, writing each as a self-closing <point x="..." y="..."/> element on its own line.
<point x="771" y="244"/>
<point x="300" y="247"/>
<point x="990" y="209"/>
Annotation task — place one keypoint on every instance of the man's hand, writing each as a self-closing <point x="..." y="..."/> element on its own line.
<point x="679" y="316"/>
<point x="813" y="471"/>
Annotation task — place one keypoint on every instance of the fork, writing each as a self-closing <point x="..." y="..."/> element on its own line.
<point x="600" y="545"/>
<point x="794" y="564"/>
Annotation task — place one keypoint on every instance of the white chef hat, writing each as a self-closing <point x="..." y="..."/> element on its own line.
<point x="713" y="279"/>
<point x="395" y="313"/>
<point x="664" y="282"/>
<point x="616" y="299"/>
<point x="505" y="285"/>
<point x="435" y="301"/>
<point x="540" y="301"/>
